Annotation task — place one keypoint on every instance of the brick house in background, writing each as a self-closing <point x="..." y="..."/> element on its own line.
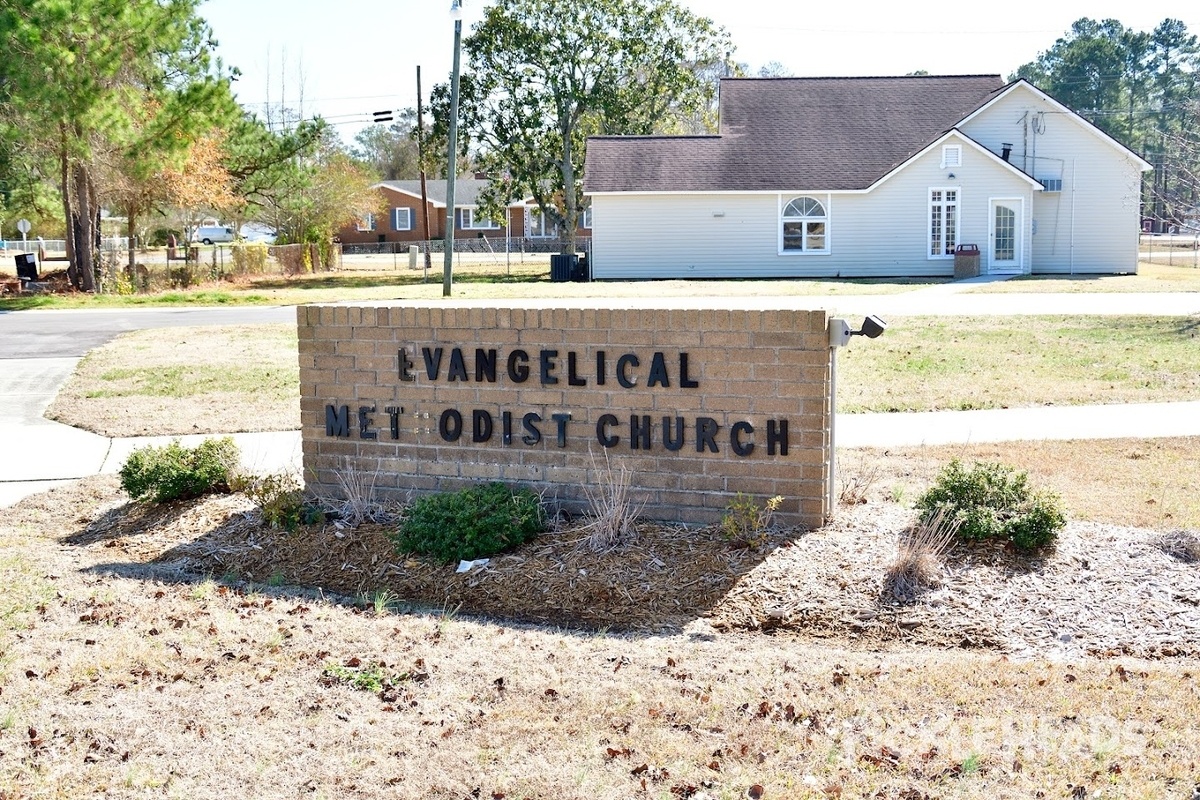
<point x="405" y="218"/>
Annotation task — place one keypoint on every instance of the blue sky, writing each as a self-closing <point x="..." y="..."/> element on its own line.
<point x="345" y="60"/>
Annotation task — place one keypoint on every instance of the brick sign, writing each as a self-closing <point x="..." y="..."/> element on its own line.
<point x="699" y="402"/>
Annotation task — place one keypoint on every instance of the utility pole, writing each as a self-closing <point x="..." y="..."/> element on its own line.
<point x="421" y="163"/>
<point x="452" y="161"/>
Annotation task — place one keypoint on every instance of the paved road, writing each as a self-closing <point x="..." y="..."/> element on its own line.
<point x="71" y="333"/>
<point x="38" y="352"/>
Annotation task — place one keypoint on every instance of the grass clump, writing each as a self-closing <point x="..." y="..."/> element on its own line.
<point x="746" y="521"/>
<point x="175" y="472"/>
<point x="919" y="552"/>
<point x="472" y="523"/>
<point x="280" y="499"/>
<point x="993" y="501"/>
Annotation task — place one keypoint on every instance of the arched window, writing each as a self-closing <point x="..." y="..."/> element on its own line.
<point x="805" y="220"/>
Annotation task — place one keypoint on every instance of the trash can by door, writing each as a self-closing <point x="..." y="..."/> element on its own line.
<point x="562" y="266"/>
<point x="966" y="261"/>
<point x="27" y="266"/>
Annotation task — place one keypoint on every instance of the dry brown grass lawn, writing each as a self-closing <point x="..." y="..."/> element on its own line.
<point x="186" y="380"/>
<point x="123" y="677"/>
<point x="1150" y="483"/>
<point x="1184" y="276"/>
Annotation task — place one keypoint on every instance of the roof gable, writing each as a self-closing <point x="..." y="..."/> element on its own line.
<point x="1023" y="85"/>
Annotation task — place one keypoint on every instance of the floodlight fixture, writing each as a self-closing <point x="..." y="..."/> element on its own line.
<point x="872" y="328"/>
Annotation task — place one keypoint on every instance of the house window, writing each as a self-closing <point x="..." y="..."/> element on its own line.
<point x="402" y="219"/>
<point x="943" y="222"/>
<point x="951" y="156"/>
<point x="586" y="219"/>
<point x="1051" y="184"/>
<point x="470" y="220"/>
<point x="805" y="221"/>
<point x="365" y="223"/>
<point x="538" y="226"/>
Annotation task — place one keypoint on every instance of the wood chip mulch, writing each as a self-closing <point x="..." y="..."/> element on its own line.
<point x="1101" y="591"/>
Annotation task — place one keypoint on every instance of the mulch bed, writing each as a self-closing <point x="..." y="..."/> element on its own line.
<point x="1102" y="591"/>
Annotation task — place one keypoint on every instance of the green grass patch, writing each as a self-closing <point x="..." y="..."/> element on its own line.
<point x="940" y="363"/>
<point x="190" y="380"/>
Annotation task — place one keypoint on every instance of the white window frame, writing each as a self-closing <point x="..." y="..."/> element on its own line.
<point x="365" y="223"/>
<point x="951" y="156"/>
<point x="408" y="219"/>
<point x="546" y="230"/>
<point x="826" y="219"/>
<point x="468" y="222"/>
<point x="585" y="221"/>
<point x="943" y="204"/>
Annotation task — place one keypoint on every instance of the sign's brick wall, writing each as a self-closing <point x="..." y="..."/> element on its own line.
<point x="698" y="402"/>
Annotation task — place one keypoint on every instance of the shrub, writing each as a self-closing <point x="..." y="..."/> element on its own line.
<point x="472" y="523"/>
<point x="994" y="501"/>
<point x="175" y="472"/>
<point x="249" y="259"/>
<point x="746" y="521"/>
<point x="279" y="497"/>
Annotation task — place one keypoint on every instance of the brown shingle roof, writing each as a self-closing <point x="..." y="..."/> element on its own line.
<point x="793" y="134"/>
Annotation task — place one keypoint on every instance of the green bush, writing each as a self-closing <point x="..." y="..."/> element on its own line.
<point x="472" y="523"/>
<point x="249" y="259"/>
<point x="175" y="472"/>
<point x="994" y="501"/>
<point x="280" y="499"/>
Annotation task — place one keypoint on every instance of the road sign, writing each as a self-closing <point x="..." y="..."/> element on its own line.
<point x="23" y="225"/>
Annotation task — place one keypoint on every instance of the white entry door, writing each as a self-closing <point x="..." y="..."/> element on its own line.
<point x="1004" y="232"/>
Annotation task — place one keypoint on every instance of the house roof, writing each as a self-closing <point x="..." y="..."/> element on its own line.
<point x="466" y="190"/>
<point x="794" y="133"/>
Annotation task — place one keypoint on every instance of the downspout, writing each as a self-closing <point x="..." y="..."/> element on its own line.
<point x="1072" y="260"/>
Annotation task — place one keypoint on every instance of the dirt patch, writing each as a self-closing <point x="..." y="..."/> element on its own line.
<point x="1103" y="591"/>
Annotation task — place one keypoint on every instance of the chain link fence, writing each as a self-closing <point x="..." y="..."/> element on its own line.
<point x="164" y="268"/>
<point x="1172" y="249"/>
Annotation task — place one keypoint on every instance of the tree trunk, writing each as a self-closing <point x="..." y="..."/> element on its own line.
<point x="129" y="229"/>
<point x="68" y="213"/>
<point x="85" y="231"/>
<point x="566" y="235"/>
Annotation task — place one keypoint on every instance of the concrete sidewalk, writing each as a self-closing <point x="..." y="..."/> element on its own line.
<point x="51" y="454"/>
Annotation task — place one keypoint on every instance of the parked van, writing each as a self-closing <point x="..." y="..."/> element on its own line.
<point x="210" y="234"/>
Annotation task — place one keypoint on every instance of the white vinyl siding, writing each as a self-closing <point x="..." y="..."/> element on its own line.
<point x="1091" y="224"/>
<point x="884" y="232"/>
